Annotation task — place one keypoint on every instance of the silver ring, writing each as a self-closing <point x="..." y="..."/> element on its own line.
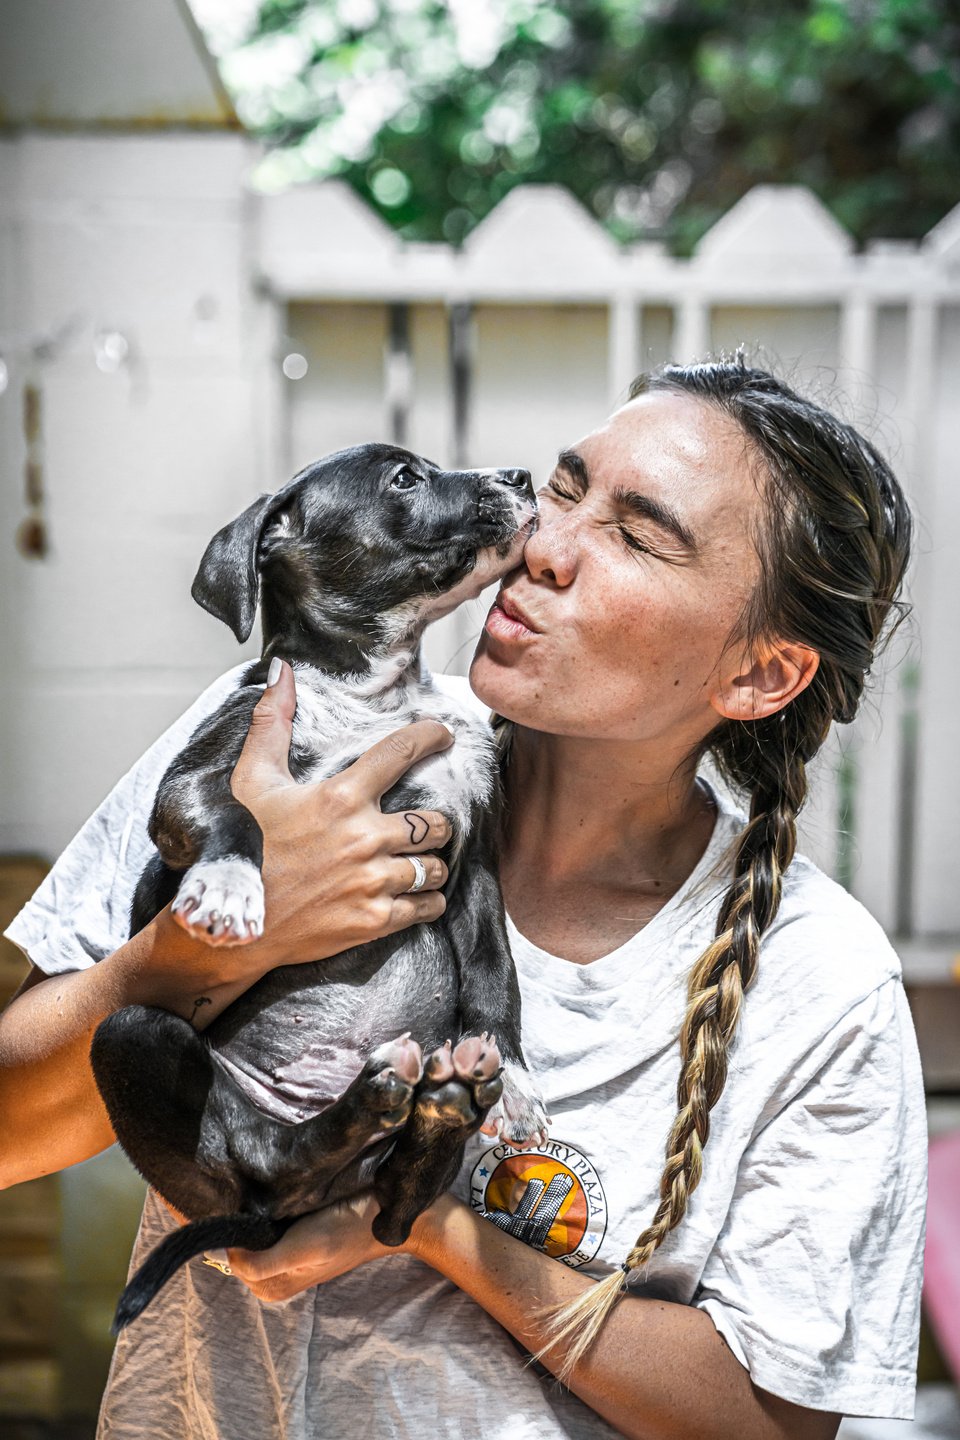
<point x="419" y="875"/>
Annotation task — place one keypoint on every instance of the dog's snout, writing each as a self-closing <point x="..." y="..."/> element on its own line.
<point x="516" y="479"/>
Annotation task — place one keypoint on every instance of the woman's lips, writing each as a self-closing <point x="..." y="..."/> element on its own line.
<point x="507" y="621"/>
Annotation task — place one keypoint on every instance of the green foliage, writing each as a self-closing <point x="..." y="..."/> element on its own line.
<point x="657" y="114"/>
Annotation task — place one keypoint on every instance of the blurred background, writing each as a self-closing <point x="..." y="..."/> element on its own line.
<point x="237" y="234"/>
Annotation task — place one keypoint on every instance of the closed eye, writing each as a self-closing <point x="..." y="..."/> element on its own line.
<point x="555" y="490"/>
<point x="632" y="543"/>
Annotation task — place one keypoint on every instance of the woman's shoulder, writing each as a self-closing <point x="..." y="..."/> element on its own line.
<point x="827" y="969"/>
<point x="81" y="911"/>
<point x="820" y="918"/>
<point x="824" y="952"/>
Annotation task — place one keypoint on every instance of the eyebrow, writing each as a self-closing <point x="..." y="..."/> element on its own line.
<point x="644" y="506"/>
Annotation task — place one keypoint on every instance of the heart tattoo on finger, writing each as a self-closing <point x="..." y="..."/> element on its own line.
<point x="419" y="828"/>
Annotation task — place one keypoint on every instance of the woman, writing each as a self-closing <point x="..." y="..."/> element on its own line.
<point x="713" y="571"/>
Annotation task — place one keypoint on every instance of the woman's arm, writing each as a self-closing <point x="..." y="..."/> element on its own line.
<point x="331" y="877"/>
<point x="51" y="1114"/>
<point x="659" y="1370"/>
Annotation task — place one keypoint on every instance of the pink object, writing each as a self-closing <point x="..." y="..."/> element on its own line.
<point x="941" y="1266"/>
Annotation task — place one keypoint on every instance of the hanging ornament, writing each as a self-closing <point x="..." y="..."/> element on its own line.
<point x="32" y="540"/>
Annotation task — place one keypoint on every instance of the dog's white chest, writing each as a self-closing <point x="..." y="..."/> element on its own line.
<point x="337" y="720"/>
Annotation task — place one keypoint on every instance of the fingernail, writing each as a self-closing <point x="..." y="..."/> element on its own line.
<point x="449" y="729"/>
<point x="274" y="673"/>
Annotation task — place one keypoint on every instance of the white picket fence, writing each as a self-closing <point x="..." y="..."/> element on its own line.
<point x="500" y="353"/>
<point x="544" y="320"/>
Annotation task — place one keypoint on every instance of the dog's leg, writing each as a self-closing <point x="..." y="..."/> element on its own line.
<point x="459" y="1085"/>
<point x="198" y="826"/>
<point x="489" y="992"/>
<point x="239" y="1175"/>
<point x="201" y="1142"/>
<point x="312" y="1158"/>
<point x="158" y="1082"/>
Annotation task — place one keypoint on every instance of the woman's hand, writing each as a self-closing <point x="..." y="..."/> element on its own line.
<point x="335" y="870"/>
<point x="315" y="1249"/>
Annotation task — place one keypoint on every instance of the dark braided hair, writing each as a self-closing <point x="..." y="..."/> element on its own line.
<point x="833" y="545"/>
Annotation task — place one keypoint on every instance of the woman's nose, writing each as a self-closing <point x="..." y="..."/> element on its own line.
<point x="550" y="553"/>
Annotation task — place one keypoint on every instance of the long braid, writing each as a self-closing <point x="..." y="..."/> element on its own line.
<point x="715" y="991"/>
<point x="833" y="554"/>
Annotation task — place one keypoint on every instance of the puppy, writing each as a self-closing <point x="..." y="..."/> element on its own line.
<point x="311" y="1087"/>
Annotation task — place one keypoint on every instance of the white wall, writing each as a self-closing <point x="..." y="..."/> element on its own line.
<point x="102" y="644"/>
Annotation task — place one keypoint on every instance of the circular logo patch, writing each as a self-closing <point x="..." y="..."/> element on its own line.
<point x="551" y="1198"/>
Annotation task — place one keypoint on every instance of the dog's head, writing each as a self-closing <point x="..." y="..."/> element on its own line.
<point x="364" y="548"/>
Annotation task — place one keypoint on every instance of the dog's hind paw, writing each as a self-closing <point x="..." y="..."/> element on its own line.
<point x="460" y="1082"/>
<point x="390" y="1075"/>
<point x="520" y="1117"/>
<point x="221" y="902"/>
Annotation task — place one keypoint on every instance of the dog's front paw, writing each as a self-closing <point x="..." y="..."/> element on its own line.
<point x="221" y="902"/>
<point x="520" y="1115"/>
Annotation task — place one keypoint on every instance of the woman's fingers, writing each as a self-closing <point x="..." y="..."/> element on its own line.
<point x="416" y="909"/>
<point x="411" y="832"/>
<point x="333" y="863"/>
<point x="380" y="767"/>
<point x="315" y="1249"/>
<point x="432" y="876"/>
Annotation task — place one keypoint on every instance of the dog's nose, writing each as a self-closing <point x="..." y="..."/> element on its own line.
<point x="516" y="479"/>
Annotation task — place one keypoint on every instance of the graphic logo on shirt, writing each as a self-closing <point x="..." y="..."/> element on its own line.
<point x="551" y="1198"/>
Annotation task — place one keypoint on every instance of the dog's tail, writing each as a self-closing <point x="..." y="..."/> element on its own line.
<point x="251" y="1232"/>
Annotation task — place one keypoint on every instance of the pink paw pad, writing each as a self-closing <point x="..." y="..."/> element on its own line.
<point x="438" y="1066"/>
<point x="401" y="1057"/>
<point x="405" y="1057"/>
<point x="392" y="1071"/>
<point x="460" y="1081"/>
<point x="477" y="1058"/>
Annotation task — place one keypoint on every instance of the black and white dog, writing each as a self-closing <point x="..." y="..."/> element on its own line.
<point x="309" y="1087"/>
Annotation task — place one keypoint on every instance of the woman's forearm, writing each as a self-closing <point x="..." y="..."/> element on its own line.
<point x="51" y="1114"/>
<point x="659" y="1370"/>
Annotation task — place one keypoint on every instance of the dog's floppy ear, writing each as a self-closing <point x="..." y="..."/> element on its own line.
<point x="228" y="581"/>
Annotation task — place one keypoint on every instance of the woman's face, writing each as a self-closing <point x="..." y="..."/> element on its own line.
<point x="616" y="625"/>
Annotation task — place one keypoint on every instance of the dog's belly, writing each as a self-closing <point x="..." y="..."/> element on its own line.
<point x="298" y="1038"/>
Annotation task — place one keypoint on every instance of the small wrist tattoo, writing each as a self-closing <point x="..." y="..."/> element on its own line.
<point x="200" y="1001"/>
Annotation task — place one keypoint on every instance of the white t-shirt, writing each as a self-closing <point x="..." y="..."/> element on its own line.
<point x="803" y="1242"/>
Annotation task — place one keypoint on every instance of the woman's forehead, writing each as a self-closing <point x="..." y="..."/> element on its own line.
<point x="676" y="448"/>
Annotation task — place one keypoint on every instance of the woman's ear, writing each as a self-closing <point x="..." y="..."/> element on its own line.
<point x="763" y="680"/>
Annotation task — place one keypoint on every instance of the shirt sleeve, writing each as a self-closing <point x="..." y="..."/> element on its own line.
<point x="814" y="1281"/>
<point x="81" y="911"/>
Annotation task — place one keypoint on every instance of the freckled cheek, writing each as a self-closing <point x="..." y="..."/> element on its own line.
<point x="679" y="653"/>
<point x="699" y="662"/>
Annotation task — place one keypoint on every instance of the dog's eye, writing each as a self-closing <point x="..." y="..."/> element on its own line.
<point x="405" y="479"/>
